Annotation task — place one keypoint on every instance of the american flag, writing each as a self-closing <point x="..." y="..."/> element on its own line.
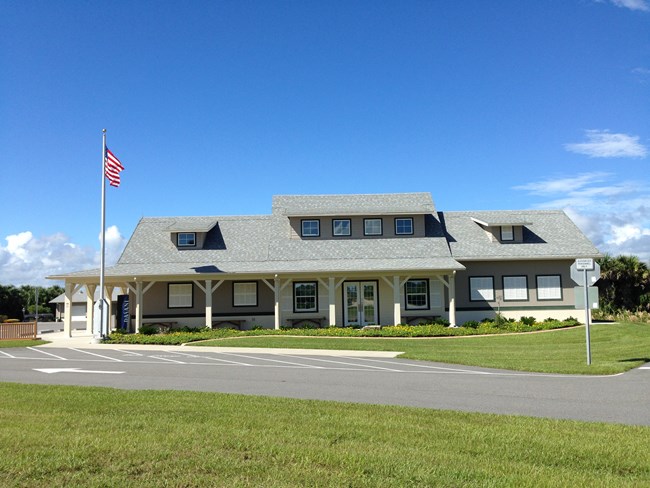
<point x="112" y="168"/>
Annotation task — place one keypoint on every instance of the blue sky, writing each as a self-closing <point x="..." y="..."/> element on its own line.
<point x="213" y="107"/>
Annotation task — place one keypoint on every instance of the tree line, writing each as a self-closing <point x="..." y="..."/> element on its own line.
<point x="624" y="284"/>
<point x="15" y="302"/>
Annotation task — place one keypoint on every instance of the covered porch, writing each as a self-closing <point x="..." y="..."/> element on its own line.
<point x="271" y="301"/>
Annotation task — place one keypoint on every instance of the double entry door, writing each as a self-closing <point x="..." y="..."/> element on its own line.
<point x="360" y="298"/>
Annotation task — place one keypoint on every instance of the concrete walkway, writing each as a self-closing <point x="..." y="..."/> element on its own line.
<point x="82" y="340"/>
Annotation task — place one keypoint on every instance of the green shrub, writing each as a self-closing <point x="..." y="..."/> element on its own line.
<point x="527" y="320"/>
<point x="148" y="329"/>
<point x="472" y="324"/>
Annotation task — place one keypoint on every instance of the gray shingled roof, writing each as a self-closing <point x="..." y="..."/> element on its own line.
<point x="550" y="234"/>
<point x="262" y="244"/>
<point x="334" y="205"/>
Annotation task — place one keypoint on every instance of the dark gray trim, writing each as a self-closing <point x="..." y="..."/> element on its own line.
<point x="406" y="303"/>
<point x="302" y="230"/>
<point x="501" y="233"/>
<point x="294" y="296"/>
<point x="381" y="224"/>
<point x="180" y="283"/>
<point x="549" y="299"/>
<point x="349" y="228"/>
<point x="469" y="289"/>
<point x="256" y="294"/>
<point x="503" y="287"/>
<point x="178" y="239"/>
<point x="404" y="233"/>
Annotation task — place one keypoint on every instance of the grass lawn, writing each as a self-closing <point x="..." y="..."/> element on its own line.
<point x="21" y="343"/>
<point x="75" y="436"/>
<point x="615" y="348"/>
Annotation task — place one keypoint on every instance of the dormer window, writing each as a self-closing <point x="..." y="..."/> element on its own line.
<point x="341" y="227"/>
<point x="310" y="228"/>
<point x="186" y="239"/>
<point x="507" y="233"/>
<point x="372" y="227"/>
<point x="404" y="226"/>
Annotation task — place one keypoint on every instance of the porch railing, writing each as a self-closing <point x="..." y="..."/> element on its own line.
<point x="18" y="330"/>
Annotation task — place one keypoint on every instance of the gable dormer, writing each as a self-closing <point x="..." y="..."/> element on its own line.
<point x="506" y="230"/>
<point x="190" y="233"/>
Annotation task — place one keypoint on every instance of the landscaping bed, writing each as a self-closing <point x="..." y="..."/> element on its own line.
<point x="498" y="326"/>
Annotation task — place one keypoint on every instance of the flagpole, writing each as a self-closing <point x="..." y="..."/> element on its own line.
<point x="102" y="303"/>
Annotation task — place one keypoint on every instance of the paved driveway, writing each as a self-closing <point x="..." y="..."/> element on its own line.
<point x="623" y="398"/>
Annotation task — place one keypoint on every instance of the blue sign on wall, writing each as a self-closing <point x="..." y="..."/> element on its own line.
<point x="123" y="316"/>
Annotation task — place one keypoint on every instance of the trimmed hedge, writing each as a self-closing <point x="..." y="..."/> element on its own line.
<point x="186" y="335"/>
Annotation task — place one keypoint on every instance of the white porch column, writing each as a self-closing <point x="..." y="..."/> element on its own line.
<point x="452" y="300"/>
<point x="108" y="295"/>
<point x="139" y="295"/>
<point x="331" y="290"/>
<point x="277" y="290"/>
<point x="397" y="302"/>
<point x="67" y="309"/>
<point x="90" y="307"/>
<point x="208" y="304"/>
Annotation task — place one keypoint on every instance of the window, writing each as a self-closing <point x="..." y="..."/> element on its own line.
<point x="549" y="287"/>
<point x="244" y="294"/>
<point x="372" y="227"/>
<point x="179" y="295"/>
<point x="417" y="294"/>
<point x="310" y="228"/>
<point x="341" y="227"/>
<point x="186" y="239"/>
<point x="507" y="233"/>
<point x="481" y="288"/>
<point x="515" y="288"/>
<point x="305" y="296"/>
<point x="404" y="226"/>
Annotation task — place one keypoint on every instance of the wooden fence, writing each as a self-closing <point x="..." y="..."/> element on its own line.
<point x="18" y="330"/>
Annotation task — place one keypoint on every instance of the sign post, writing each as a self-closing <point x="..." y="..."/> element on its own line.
<point x="586" y="271"/>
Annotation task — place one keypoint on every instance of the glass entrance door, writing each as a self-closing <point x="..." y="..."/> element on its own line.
<point x="360" y="303"/>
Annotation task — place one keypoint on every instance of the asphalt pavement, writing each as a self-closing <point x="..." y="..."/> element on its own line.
<point x="347" y="376"/>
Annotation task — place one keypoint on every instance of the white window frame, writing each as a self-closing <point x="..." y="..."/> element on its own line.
<point x="182" y="239"/>
<point x="515" y="288"/>
<point x="552" y="292"/>
<point x="481" y="288"/>
<point x="345" y="227"/>
<point x="507" y="233"/>
<point x="310" y="231"/>
<point x="180" y="295"/>
<point x="398" y="220"/>
<point x="299" y="309"/>
<point x="244" y="294"/>
<point x="408" y="294"/>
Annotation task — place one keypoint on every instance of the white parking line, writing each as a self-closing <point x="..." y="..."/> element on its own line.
<point x="302" y="365"/>
<point x="49" y="354"/>
<point x="362" y="366"/>
<point x="94" y="354"/>
<point x="166" y="359"/>
<point x="8" y="355"/>
<point x="437" y="368"/>
<point x="215" y="359"/>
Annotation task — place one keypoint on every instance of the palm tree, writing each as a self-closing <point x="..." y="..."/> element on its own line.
<point x="624" y="283"/>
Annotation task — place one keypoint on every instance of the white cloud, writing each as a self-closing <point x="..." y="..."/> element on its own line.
<point x="28" y="260"/>
<point x="633" y="4"/>
<point x="615" y="215"/>
<point x="603" y="144"/>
